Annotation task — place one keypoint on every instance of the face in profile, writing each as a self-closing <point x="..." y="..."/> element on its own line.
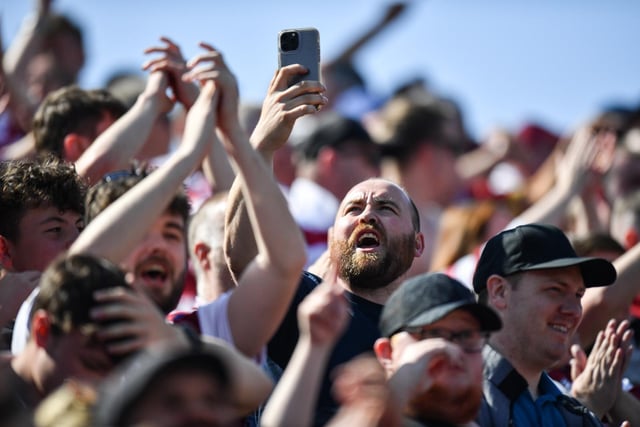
<point x="373" y="236"/>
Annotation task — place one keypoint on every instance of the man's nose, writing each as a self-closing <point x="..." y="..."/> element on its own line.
<point x="368" y="216"/>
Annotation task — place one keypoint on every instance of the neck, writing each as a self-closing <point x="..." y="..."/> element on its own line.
<point x="379" y="295"/>
<point x="530" y="373"/>
<point x="24" y="365"/>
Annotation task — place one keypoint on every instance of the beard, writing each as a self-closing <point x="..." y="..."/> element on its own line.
<point x="369" y="271"/>
<point x="439" y="403"/>
<point x="170" y="302"/>
<point x="167" y="303"/>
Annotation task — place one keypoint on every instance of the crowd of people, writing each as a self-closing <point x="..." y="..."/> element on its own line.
<point x="326" y="258"/>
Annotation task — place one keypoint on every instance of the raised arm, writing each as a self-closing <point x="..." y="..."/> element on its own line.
<point x="572" y="173"/>
<point x="216" y="166"/>
<point x="250" y="386"/>
<point x="15" y="60"/>
<point x="322" y="317"/>
<point x="266" y="287"/>
<point x="154" y="193"/>
<point x="281" y="108"/>
<point x="603" y="303"/>
<point x="115" y="147"/>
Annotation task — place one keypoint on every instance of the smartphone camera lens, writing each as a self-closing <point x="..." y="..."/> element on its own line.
<point x="289" y="41"/>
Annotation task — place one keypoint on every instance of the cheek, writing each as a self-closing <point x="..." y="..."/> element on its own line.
<point x="179" y="254"/>
<point x="342" y="229"/>
<point x="128" y="264"/>
<point x="36" y="255"/>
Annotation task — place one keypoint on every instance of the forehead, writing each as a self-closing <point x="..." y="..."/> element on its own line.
<point x="170" y="218"/>
<point x="42" y="213"/>
<point x="376" y="189"/>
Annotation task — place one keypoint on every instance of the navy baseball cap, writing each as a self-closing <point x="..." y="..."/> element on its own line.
<point x="429" y="297"/>
<point x="536" y="247"/>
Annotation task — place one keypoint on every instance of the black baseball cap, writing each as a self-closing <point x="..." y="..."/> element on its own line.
<point x="429" y="297"/>
<point x="536" y="247"/>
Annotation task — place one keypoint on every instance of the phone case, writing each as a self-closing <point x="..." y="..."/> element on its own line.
<point x="307" y="53"/>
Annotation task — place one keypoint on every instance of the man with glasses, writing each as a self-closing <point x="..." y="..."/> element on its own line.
<point x="533" y="278"/>
<point x="433" y="332"/>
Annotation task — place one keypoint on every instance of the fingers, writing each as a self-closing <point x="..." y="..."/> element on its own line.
<point x="205" y="66"/>
<point x="164" y="64"/>
<point x="283" y="75"/>
<point x="129" y="320"/>
<point x="169" y="49"/>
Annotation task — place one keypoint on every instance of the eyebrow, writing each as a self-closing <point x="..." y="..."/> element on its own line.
<point x="54" y="219"/>
<point x="385" y="201"/>
<point x="568" y="286"/>
<point x="174" y="225"/>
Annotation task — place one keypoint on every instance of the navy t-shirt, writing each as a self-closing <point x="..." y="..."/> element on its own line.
<point x="358" y="338"/>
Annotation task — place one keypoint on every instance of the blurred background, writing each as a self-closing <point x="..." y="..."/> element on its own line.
<point x="506" y="62"/>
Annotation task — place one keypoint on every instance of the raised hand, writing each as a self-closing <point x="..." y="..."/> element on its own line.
<point x="283" y="105"/>
<point x="132" y="322"/>
<point x="210" y="66"/>
<point x="172" y="62"/>
<point x="597" y="380"/>
<point x="363" y="393"/>
<point x="576" y="166"/>
<point x="324" y="313"/>
<point x="424" y="363"/>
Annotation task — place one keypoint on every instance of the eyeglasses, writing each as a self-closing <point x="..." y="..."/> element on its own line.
<point x="471" y="341"/>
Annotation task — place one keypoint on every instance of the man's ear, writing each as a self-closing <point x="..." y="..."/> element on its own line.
<point x="497" y="291"/>
<point x="419" y="244"/>
<point x="73" y="146"/>
<point x="201" y="251"/>
<point x="6" y="260"/>
<point x="40" y="328"/>
<point x="630" y="238"/>
<point x="383" y="351"/>
<point x="327" y="156"/>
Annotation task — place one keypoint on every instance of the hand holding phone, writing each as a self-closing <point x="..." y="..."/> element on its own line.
<point x="300" y="46"/>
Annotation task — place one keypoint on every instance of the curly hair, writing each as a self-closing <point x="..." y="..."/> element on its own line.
<point x="71" y="110"/>
<point x="30" y="184"/>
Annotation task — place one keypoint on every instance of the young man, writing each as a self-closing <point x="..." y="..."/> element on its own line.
<point x="433" y="333"/>
<point x="41" y="206"/>
<point x="533" y="278"/>
<point x="64" y="341"/>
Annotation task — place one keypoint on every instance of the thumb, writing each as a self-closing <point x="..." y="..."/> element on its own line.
<point x="578" y="361"/>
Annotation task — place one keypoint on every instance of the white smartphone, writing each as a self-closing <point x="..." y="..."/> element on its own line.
<point x="300" y="46"/>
